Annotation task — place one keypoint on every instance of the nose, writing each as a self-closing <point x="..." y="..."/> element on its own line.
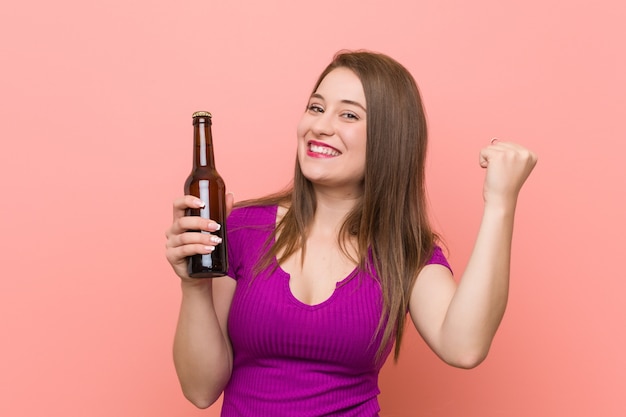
<point x="323" y="125"/>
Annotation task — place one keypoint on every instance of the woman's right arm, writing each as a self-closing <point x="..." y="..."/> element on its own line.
<point x="202" y="350"/>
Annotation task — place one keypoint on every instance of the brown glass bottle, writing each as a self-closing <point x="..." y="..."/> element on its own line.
<point x="205" y="183"/>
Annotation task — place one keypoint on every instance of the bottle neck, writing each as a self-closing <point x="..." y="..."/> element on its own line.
<point x="203" y="144"/>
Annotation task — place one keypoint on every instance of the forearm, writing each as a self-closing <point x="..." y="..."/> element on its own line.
<point x="478" y="304"/>
<point x="202" y="354"/>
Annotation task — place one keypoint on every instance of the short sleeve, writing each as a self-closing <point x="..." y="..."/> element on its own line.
<point x="247" y="231"/>
<point x="234" y="223"/>
<point x="439" y="258"/>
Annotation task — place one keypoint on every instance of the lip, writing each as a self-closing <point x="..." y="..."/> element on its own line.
<point x="321" y="145"/>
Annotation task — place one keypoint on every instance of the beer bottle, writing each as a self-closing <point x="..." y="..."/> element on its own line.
<point x="205" y="183"/>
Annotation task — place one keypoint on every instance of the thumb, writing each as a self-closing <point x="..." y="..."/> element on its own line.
<point x="488" y="152"/>
<point x="483" y="158"/>
<point x="230" y="201"/>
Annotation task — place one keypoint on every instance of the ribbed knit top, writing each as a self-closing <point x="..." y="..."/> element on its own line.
<point x="292" y="359"/>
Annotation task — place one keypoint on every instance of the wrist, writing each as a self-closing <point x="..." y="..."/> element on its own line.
<point x="500" y="206"/>
<point x="196" y="284"/>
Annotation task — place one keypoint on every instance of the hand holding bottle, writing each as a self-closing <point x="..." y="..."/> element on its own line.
<point x="182" y="243"/>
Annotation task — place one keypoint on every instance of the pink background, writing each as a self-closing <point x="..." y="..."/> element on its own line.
<point x="96" y="103"/>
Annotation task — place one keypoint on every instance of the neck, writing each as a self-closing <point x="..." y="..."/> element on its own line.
<point x="332" y="209"/>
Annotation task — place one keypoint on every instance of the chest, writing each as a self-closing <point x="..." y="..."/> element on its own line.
<point x="267" y="321"/>
<point x="314" y="274"/>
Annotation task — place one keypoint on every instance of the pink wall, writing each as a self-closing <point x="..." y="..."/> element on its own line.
<point x="96" y="142"/>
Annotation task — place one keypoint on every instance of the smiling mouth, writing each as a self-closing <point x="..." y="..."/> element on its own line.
<point x="323" y="150"/>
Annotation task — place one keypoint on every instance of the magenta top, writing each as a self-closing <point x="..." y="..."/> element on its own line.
<point x="293" y="359"/>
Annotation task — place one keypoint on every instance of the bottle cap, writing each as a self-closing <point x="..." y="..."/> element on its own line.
<point x="201" y="114"/>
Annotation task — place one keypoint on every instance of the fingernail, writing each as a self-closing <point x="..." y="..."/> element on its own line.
<point x="209" y="248"/>
<point x="199" y="203"/>
<point x="217" y="226"/>
<point x="216" y="239"/>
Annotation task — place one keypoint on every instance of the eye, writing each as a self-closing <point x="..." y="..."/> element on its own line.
<point x="315" y="108"/>
<point x="350" y="116"/>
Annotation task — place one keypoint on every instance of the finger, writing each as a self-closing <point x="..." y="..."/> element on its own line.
<point x="195" y="238"/>
<point x="484" y="163"/>
<point x="183" y="203"/>
<point x="498" y="152"/>
<point x="495" y="148"/>
<point x="487" y="154"/>
<point x="183" y="224"/>
<point x="177" y="255"/>
<point x="192" y="243"/>
<point x="500" y="144"/>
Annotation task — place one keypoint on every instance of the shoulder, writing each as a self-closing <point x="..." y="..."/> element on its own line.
<point x="252" y="216"/>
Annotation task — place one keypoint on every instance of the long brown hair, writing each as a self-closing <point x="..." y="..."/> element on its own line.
<point x="390" y="219"/>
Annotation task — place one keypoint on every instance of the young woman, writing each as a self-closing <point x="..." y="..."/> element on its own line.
<point x="322" y="276"/>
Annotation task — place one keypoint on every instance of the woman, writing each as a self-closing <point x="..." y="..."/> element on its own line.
<point x="322" y="276"/>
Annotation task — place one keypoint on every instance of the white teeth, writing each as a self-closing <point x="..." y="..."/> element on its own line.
<point x="323" y="150"/>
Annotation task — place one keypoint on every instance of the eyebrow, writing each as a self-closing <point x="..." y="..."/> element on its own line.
<point x="352" y="102"/>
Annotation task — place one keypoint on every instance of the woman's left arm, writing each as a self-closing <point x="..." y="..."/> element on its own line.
<point x="459" y="321"/>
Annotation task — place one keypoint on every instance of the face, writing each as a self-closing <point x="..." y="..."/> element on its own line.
<point x="332" y="133"/>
